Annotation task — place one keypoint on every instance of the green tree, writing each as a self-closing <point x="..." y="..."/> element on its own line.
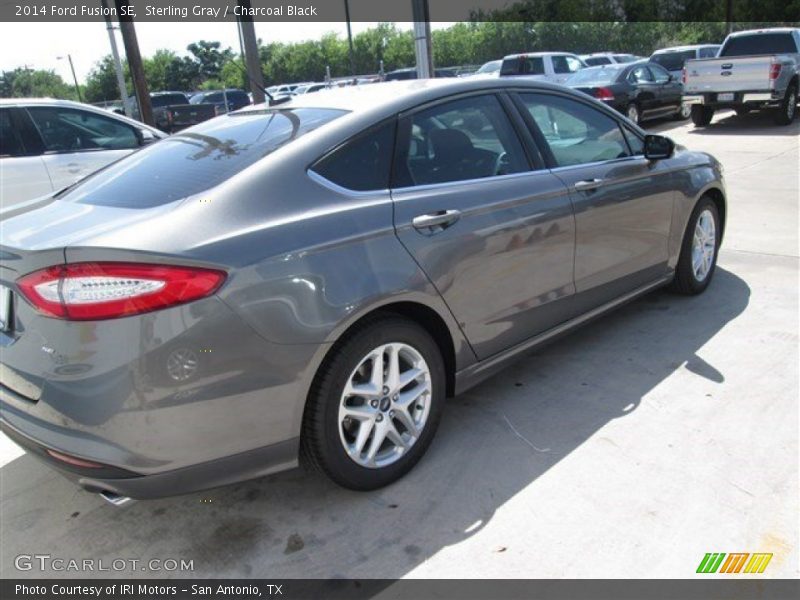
<point x="101" y="83"/>
<point x="210" y="58"/>
<point x="35" y="83"/>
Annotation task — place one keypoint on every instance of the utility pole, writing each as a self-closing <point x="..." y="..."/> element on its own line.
<point x="74" y="77"/>
<point x="140" y="86"/>
<point x="349" y="38"/>
<point x="422" y="38"/>
<point x="123" y="90"/>
<point x="729" y="15"/>
<point x="251" y="57"/>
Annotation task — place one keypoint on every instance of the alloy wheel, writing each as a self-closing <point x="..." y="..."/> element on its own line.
<point x="385" y="405"/>
<point x="704" y="245"/>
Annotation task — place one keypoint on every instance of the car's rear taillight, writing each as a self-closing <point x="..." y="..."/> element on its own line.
<point x="774" y="71"/>
<point x="106" y="290"/>
<point x="603" y="93"/>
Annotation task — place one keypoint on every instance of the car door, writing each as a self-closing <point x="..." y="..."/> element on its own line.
<point x="623" y="202"/>
<point x="489" y="225"/>
<point x="79" y="142"/>
<point x="647" y="92"/>
<point x="23" y="175"/>
<point x="670" y="89"/>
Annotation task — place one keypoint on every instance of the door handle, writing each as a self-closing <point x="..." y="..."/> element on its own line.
<point x="588" y="184"/>
<point x="442" y="218"/>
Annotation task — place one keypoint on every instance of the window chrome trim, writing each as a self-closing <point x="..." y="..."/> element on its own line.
<point x="335" y="187"/>
<point x="476" y="181"/>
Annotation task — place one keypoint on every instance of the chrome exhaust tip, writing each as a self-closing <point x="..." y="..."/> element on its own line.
<point x="116" y="499"/>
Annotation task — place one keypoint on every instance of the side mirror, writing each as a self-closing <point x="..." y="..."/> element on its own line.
<point x="146" y="137"/>
<point x="657" y="147"/>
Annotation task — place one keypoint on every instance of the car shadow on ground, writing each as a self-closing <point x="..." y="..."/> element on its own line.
<point x="753" y="123"/>
<point x="495" y="440"/>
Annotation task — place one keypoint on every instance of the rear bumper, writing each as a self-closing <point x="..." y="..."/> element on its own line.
<point x="713" y="98"/>
<point x="211" y="474"/>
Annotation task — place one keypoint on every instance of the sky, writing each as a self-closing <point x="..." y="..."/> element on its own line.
<point x="38" y="45"/>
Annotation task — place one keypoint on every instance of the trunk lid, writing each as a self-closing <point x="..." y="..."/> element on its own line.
<point x="747" y="73"/>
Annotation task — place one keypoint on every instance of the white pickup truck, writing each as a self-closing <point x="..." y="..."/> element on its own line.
<point x="548" y="66"/>
<point x="753" y="69"/>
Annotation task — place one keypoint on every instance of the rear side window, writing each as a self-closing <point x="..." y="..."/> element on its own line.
<point x="198" y="158"/>
<point x="10" y="143"/>
<point x="594" y="61"/>
<point x="575" y="132"/>
<point x="67" y="130"/>
<point x="641" y="75"/>
<point x="523" y="65"/>
<point x="363" y="163"/>
<point x="761" y="43"/>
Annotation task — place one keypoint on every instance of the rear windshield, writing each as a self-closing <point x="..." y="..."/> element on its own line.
<point x="761" y="43"/>
<point x="523" y="65"/>
<point x="197" y="159"/>
<point x="673" y="61"/>
<point x="168" y="100"/>
<point x="600" y="75"/>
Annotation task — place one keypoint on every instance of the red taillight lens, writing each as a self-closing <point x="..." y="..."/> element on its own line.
<point x="94" y="291"/>
<point x="774" y="71"/>
<point x="603" y="93"/>
<point x="71" y="460"/>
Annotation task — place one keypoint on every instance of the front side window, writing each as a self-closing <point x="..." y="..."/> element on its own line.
<point x="468" y="138"/>
<point x="659" y="74"/>
<point x="641" y="75"/>
<point x="74" y="130"/>
<point x="363" y="163"/>
<point x="197" y="159"/>
<point x="575" y="132"/>
<point x="565" y="64"/>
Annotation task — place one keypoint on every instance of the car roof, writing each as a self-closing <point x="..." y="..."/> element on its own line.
<point x="762" y="31"/>
<point x="79" y="105"/>
<point x="395" y="96"/>
<point x="684" y="48"/>
<point x="554" y="53"/>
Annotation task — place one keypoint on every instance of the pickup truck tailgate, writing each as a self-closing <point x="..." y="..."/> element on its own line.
<point x="733" y="74"/>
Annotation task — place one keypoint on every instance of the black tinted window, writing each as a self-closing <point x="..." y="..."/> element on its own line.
<point x="565" y="64"/>
<point x="168" y="100"/>
<point x="363" y="163"/>
<point x="10" y="144"/>
<point x="197" y="158"/>
<point x="762" y="43"/>
<point x="673" y="61"/>
<point x="594" y="61"/>
<point x="464" y="139"/>
<point x="523" y="65"/>
<point x="709" y="52"/>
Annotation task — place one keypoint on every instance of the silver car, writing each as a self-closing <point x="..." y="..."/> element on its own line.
<point x="315" y="278"/>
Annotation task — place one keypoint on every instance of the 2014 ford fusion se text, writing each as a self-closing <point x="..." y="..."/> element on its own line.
<point x="310" y="280"/>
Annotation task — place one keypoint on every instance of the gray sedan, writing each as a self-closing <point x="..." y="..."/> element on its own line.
<point x="313" y="279"/>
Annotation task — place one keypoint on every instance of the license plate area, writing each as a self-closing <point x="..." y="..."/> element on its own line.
<point x="5" y="308"/>
<point x="725" y="97"/>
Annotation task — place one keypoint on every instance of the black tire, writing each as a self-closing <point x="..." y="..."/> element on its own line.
<point x="784" y="114"/>
<point x="685" y="281"/>
<point x="702" y="115"/>
<point x="638" y="113"/>
<point x="321" y="446"/>
<point x="742" y="110"/>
